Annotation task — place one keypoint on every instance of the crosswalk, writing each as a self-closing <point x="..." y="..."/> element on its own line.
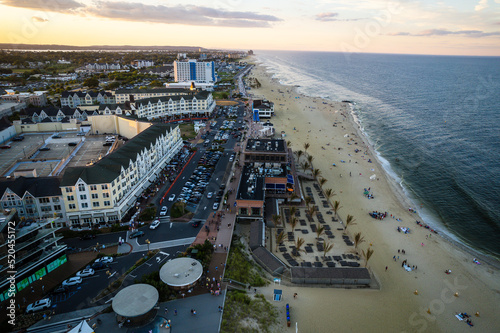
<point x="164" y="219"/>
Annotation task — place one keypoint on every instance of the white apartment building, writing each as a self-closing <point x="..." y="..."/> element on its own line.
<point x="131" y="95"/>
<point x="198" y="72"/>
<point x="142" y="63"/>
<point x="195" y="105"/>
<point x="104" y="192"/>
<point x="74" y="99"/>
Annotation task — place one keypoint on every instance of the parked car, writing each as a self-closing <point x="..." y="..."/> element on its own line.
<point x="155" y="224"/>
<point x="61" y="290"/>
<point x="105" y="260"/>
<point x="107" y="144"/>
<point x="56" y="136"/>
<point x="171" y="197"/>
<point x="5" y="147"/>
<point x="80" y="133"/>
<point x="98" y="266"/>
<point x="18" y="138"/>
<point x="196" y="224"/>
<point x="44" y="149"/>
<point x="85" y="272"/>
<point x="163" y="211"/>
<point x="210" y="195"/>
<point x="72" y="281"/>
<point x="215" y="206"/>
<point x="72" y="144"/>
<point x="39" y="305"/>
<point x="136" y="234"/>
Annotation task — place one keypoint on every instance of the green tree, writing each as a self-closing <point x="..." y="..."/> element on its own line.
<point x="280" y="237"/>
<point x="358" y="239"/>
<point x="319" y="230"/>
<point x="336" y="207"/>
<point x="327" y="247"/>
<point x="91" y="82"/>
<point x="349" y="221"/>
<point x="367" y="255"/>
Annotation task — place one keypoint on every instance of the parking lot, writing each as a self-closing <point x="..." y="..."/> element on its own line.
<point x="91" y="151"/>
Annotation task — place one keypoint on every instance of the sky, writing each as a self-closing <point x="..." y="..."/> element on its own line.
<point x="449" y="27"/>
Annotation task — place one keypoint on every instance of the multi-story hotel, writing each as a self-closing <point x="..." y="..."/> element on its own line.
<point x="105" y="191"/>
<point x="199" y="104"/>
<point x="132" y="95"/>
<point x="198" y="72"/>
<point x="53" y="114"/>
<point x="262" y="109"/>
<point x="75" y="99"/>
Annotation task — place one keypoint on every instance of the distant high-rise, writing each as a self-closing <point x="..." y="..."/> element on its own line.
<point x="199" y="72"/>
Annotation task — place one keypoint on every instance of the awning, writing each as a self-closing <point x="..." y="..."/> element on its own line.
<point x="98" y="214"/>
<point x="152" y="178"/>
<point x="111" y="214"/>
<point x="280" y="186"/>
<point x="289" y="179"/>
<point x="74" y="217"/>
<point x="270" y="186"/>
<point x="84" y="216"/>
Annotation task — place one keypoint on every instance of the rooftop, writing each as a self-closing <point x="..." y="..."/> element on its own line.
<point x="135" y="300"/>
<point x="266" y="145"/>
<point x="181" y="272"/>
<point x="251" y="184"/>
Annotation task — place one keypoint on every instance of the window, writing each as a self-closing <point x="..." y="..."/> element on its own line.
<point x="107" y="203"/>
<point x="85" y="205"/>
<point x="55" y="199"/>
<point x="83" y="197"/>
<point x="104" y="187"/>
<point x="69" y="189"/>
<point x="71" y="198"/>
<point x="57" y="207"/>
<point x="95" y="204"/>
<point x="93" y="187"/>
<point x="81" y="187"/>
<point x="44" y="200"/>
<point x="105" y="195"/>
<point x="46" y="208"/>
<point x="95" y="196"/>
<point x="72" y="206"/>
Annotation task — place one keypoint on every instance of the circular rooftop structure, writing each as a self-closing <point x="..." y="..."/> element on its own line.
<point x="135" y="300"/>
<point x="181" y="272"/>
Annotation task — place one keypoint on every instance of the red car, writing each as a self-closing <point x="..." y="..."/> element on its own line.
<point x="5" y="147"/>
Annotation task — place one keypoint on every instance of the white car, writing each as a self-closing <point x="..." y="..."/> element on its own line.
<point x="210" y="195"/>
<point x="171" y="197"/>
<point x="72" y="281"/>
<point x="85" y="272"/>
<point x="39" y="305"/>
<point x="155" y="224"/>
<point x="163" y="211"/>
<point x="104" y="260"/>
<point x="215" y="206"/>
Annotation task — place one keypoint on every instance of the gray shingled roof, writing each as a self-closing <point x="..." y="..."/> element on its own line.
<point x="152" y="90"/>
<point x="109" y="168"/>
<point x="38" y="187"/>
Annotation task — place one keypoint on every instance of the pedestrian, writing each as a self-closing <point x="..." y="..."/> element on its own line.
<point x="386" y="268"/>
<point x="394" y="258"/>
<point x="175" y="312"/>
<point x="166" y="310"/>
<point x="398" y="250"/>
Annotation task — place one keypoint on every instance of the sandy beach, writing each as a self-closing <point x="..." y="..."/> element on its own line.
<point x="334" y="138"/>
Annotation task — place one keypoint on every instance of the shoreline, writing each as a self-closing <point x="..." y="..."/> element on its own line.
<point x="398" y="189"/>
<point x="392" y="197"/>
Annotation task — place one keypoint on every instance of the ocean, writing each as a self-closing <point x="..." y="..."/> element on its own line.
<point x="434" y="122"/>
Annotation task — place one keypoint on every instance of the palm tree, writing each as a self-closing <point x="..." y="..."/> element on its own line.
<point x="308" y="200"/>
<point x="358" y="239"/>
<point x="298" y="245"/>
<point x="299" y="154"/>
<point x="349" y="221"/>
<point x="311" y="210"/>
<point x="293" y="196"/>
<point x="319" y="230"/>
<point x="327" y="248"/>
<point x="310" y="159"/>
<point x="293" y="222"/>
<point x="279" y="239"/>
<point x="336" y="207"/>
<point x="276" y="219"/>
<point x="306" y="146"/>
<point x="293" y="210"/>
<point x="322" y="181"/>
<point x="316" y="173"/>
<point x="328" y="194"/>
<point x="305" y="166"/>
<point x="367" y="255"/>
<point x="289" y="143"/>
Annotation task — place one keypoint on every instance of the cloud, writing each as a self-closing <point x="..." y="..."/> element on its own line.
<point x="62" y="6"/>
<point x="444" y="32"/>
<point x="483" y="4"/>
<point x="189" y="14"/>
<point x="325" y="17"/>
<point x="138" y="12"/>
<point x="38" y="19"/>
